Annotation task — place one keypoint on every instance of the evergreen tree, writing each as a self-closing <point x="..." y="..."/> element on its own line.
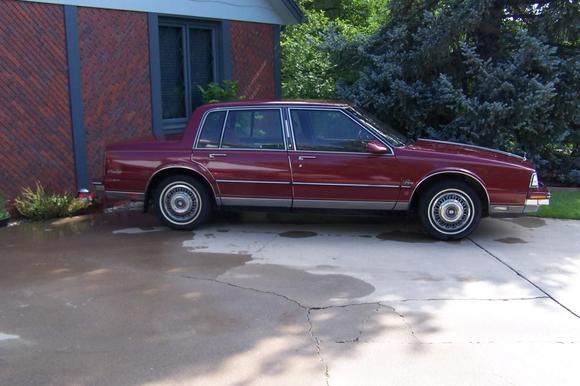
<point x="498" y="73"/>
<point x="307" y="71"/>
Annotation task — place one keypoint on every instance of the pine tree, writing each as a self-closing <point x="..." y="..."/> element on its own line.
<point x="499" y="73"/>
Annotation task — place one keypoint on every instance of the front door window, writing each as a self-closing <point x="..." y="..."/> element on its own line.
<point x="328" y="130"/>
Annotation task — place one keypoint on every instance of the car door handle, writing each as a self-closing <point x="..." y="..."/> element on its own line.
<point x="303" y="157"/>
<point x="217" y="155"/>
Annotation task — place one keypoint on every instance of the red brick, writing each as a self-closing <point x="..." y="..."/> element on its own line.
<point x="35" y="127"/>
<point x="253" y="59"/>
<point x="115" y="75"/>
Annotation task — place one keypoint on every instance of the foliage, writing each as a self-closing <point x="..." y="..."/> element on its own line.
<point x="38" y="204"/>
<point x="307" y="71"/>
<point x="224" y="92"/>
<point x="3" y="211"/>
<point x="563" y="204"/>
<point x="498" y="73"/>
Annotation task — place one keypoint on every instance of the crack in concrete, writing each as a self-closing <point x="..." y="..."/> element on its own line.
<point x="307" y="309"/>
<point x="521" y="275"/>
<point x="318" y="348"/>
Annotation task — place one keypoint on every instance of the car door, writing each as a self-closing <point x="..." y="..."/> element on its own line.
<point x="331" y="166"/>
<point x="245" y="151"/>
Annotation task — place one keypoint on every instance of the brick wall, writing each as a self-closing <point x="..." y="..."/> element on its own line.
<point x="115" y="74"/>
<point x="35" y="123"/>
<point x="35" y="128"/>
<point x="253" y="59"/>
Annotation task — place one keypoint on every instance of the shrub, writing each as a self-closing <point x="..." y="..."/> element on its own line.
<point x="38" y="204"/>
<point x="3" y="212"/>
<point x="224" y="92"/>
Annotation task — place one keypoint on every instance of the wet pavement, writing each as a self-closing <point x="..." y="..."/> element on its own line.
<point x="288" y="299"/>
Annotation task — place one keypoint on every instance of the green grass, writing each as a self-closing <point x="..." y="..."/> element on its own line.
<point x="563" y="204"/>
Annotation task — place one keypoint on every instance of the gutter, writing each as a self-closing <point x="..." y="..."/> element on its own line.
<point x="295" y="10"/>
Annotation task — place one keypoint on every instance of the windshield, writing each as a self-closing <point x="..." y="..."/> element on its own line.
<point x="392" y="136"/>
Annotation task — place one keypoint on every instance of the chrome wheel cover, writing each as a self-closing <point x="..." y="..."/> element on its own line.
<point x="180" y="203"/>
<point x="451" y="211"/>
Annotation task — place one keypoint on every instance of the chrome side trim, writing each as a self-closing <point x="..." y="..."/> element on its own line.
<point x="477" y="179"/>
<point x="116" y="194"/>
<point x="98" y="186"/>
<point x="505" y="209"/>
<point x="475" y="147"/>
<point x="336" y="204"/>
<point x="253" y="182"/>
<point x="346" y="185"/>
<point x="400" y="205"/>
<point x="261" y="202"/>
<point x="540" y="202"/>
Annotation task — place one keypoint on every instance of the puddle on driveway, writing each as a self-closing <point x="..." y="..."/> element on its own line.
<point x="406" y="237"/>
<point x="297" y="234"/>
<point x="512" y="240"/>
<point x="529" y="222"/>
<point x="307" y="288"/>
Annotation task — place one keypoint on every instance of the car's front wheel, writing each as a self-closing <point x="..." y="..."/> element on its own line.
<point x="182" y="202"/>
<point x="450" y="210"/>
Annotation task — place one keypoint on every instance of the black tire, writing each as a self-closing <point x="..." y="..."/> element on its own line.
<point x="450" y="210"/>
<point x="182" y="202"/>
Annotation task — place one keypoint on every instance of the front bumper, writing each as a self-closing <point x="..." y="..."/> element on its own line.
<point x="532" y="204"/>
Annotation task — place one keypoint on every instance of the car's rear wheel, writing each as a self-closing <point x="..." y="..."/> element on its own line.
<point x="450" y="210"/>
<point x="182" y="202"/>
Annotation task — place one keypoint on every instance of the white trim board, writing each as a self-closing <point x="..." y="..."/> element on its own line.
<point x="259" y="11"/>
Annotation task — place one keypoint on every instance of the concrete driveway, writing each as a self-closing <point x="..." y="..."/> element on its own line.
<point x="288" y="300"/>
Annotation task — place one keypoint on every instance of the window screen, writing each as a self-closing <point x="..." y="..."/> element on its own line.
<point x="172" y="71"/>
<point x="187" y="51"/>
<point x="253" y="129"/>
<point x="201" y="61"/>
<point x="328" y="130"/>
<point x="212" y="130"/>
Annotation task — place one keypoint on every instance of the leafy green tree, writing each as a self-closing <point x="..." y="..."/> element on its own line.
<point x="499" y="73"/>
<point x="308" y="71"/>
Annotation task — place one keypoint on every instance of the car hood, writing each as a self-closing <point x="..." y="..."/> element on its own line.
<point x="444" y="147"/>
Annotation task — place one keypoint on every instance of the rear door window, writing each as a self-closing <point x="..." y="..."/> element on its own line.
<point x="254" y="129"/>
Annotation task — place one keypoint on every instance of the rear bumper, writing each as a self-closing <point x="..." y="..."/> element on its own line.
<point x="114" y="195"/>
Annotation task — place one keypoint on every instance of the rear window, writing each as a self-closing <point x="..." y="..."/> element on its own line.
<point x="211" y="131"/>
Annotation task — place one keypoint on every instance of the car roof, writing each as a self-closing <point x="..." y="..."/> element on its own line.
<point x="277" y="102"/>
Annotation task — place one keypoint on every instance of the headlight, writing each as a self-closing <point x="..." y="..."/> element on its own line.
<point x="534" y="181"/>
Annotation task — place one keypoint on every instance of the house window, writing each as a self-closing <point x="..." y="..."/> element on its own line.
<point x="188" y="59"/>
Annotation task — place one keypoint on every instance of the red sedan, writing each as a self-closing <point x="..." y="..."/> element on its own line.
<point x="310" y="155"/>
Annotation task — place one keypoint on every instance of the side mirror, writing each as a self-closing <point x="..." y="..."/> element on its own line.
<point x="375" y="147"/>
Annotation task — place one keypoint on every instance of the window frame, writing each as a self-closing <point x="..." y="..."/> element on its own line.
<point x="176" y="125"/>
<point x="391" y="152"/>
<point x="241" y="108"/>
